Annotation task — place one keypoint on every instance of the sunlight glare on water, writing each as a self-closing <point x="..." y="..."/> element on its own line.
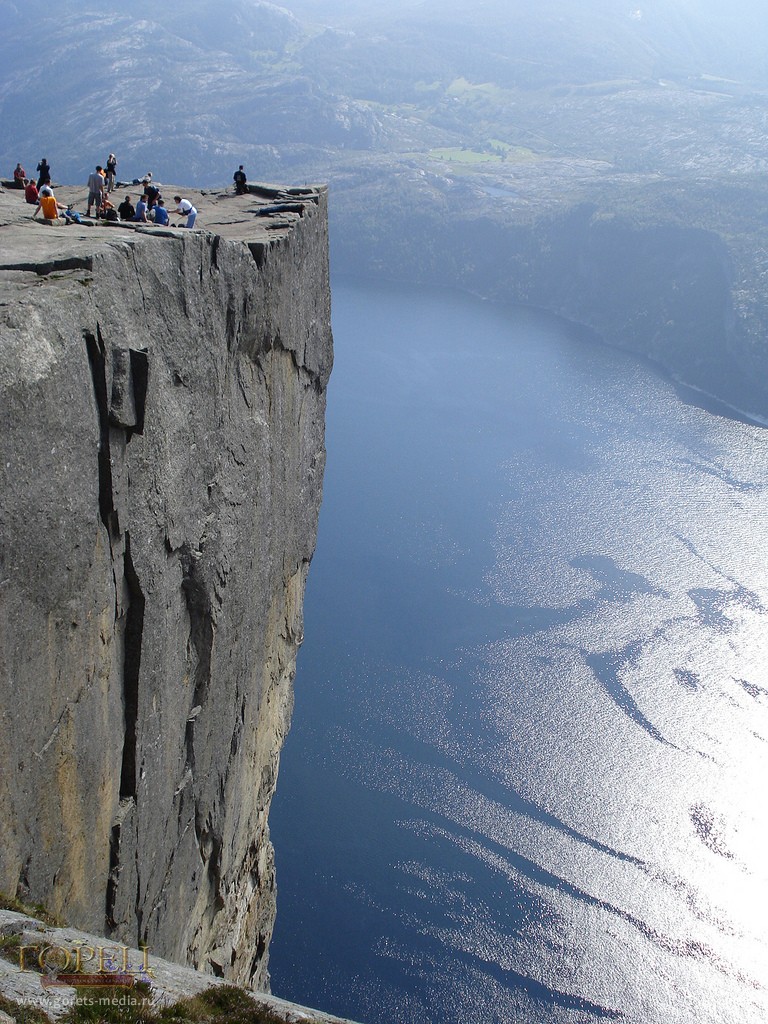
<point x="526" y="777"/>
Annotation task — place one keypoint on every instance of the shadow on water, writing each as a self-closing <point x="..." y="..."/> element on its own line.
<point x="616" y="584"/>
<point x="607" y="669"/>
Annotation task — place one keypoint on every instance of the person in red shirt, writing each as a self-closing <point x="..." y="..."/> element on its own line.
<point x="31" y="193"/>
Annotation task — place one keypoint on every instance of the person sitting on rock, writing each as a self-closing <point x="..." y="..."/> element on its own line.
<point x="107" y="210"/>
<point x="126" y="209"/>
<point x="31" y="194"/>
<point x="141" y="210"/>
<point x="19" y="176"/>
<point x="48" y="204"/>
<point x="71" y="216"/>
<point x="160" y="214"/>
<point x="185" y="209"/>
<point x="240" y="181"/>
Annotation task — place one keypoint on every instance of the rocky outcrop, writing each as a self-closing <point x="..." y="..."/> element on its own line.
<point x="39" y="960"/>
<point x="162" y="421"/>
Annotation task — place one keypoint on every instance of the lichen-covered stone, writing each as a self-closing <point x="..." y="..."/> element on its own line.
<point x="161" y="457"/>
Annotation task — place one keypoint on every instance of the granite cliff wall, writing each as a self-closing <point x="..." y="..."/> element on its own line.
<point x="161" y="424"/>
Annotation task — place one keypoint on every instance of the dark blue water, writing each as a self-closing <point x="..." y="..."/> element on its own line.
<point x="526" y="776"/>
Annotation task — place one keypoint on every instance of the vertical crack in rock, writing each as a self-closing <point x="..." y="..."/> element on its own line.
<point x="128" y="392"/>
<point x="201" y="630"/>
<point x="98" y="362"/>
<point x="138" y="905"/>
<point x="130" y="378"/>
<point x="134" y="628"/>
<point x="259" y="252"/>
<point x="140" y="373"/>
<point x="216" y="242"/>
<point x="114" y="874"/>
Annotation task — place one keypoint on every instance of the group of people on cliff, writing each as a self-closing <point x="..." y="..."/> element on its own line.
<point x="44" y="174"/>
<point x="150" y="207"/>
<point x="30" y="186"/>
<point x="43" y="171"/>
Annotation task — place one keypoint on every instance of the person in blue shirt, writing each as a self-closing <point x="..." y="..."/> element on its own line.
<point x="141" y="210"/>
<point x="160" y="213"/>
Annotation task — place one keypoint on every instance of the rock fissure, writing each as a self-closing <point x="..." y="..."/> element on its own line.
<point x="56" y="729"/>
<point x="132" y="641"/>
<point x="49" y="267"/>
<point x="124" y="811"/>
<point x="201" y="636"/>
<point x="97" y="359"/>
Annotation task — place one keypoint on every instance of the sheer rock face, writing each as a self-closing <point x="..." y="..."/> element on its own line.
<point x="162" y="401"/>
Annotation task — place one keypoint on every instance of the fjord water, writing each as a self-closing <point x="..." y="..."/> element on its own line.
<point x="526" y="776"/>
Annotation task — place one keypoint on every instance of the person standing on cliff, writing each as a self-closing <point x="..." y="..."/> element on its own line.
<point x="185" y="209"/>
<point x="44" y="171"/>
<point x="95" y="190"/>
<point x="111" y="171"/>
<point x="240" y="181"/>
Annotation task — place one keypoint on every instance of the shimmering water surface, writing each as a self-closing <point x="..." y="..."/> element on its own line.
<point x="527" y="772"/>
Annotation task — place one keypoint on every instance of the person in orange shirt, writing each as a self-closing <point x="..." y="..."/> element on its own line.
<point x="48" y="205"/>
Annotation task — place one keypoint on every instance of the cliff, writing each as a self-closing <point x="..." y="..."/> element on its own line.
<point x="161" y="427"/>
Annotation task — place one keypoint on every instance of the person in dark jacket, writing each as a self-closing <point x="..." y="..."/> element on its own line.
<point x="44" y="170"/>
<point x="126" y="209"/>
<point x="152" y="192"/>
<point x="240" y="181"/>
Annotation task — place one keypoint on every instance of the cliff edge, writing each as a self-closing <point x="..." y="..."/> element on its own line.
<point x="161" y="426"/>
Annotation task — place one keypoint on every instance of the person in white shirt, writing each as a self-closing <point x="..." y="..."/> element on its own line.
<point x="185" y="209"/>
